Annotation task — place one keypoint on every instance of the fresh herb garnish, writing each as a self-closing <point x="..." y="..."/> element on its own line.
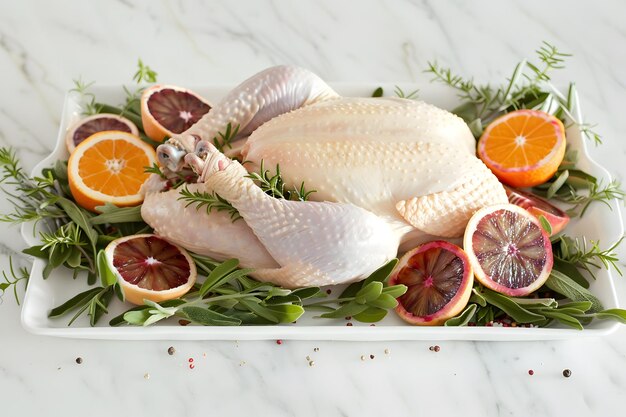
<point x="144" y="73"/>
<point x="275" y="186"/>
<point x="212" y="201"/>
<point x="223" y="140"/>
<point x="583" y="255"/>
<point x="20" y="276"/>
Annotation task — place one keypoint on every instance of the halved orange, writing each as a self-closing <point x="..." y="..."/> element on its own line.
<point x="150" y="268"/>
<point x="523" y="148"/>
<point x="108" y="167"/>
<point x="167" y="110"/>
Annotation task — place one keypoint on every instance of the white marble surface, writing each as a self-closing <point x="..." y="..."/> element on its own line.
<point x="44" y="45"/>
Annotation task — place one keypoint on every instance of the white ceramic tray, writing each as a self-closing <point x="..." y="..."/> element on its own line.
<point x="600" y="223"/>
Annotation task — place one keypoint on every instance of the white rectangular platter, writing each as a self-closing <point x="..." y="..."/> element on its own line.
<point x="600" y="222"/>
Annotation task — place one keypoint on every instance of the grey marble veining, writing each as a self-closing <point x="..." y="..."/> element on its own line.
<point x="44" y="45"/>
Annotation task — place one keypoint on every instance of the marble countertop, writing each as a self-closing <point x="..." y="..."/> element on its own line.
<point x="44" y="45"/>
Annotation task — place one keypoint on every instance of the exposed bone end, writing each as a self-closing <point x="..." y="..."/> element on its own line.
<point x="171" y="156"/>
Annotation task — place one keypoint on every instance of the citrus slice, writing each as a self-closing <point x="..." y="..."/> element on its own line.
<point x="108" y="167"/>
<point x="538" y="207"/>
<point x="509" y="250"/>
<point x="523" y="148"/>
<point x="167" y="110"/>
<point x="439" y="279"/>
<point x="86" y="127"/>
<point x="150" y="268"/>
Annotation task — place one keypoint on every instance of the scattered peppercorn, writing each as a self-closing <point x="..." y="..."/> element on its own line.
<point x="386" y="351"/>
<point x="437" y="348"/>
<point x="316" y="349"/>
<point x="311" y="363"/>
<point x="531" y="372"/>
<point x="348" y="324"/>
<point x="567" y="373"/>
<point x="183" y="322"/>
<point x="279" y="342"/>
<point x="362" y="357"/>
<point x="328" y="291"/>
<point x="348" y="317"/>
<point x="371" y="356"/>
<point x="171" y="350"/>
<point x="79" y="360"/>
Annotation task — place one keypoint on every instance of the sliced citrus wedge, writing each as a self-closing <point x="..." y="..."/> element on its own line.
<point x="523" y="148"/>
<point x="108" y="167"/>
<point x="167" y="110"/>
<point x="538" y="207"/>
<point x="509" y="250"/>
<point x="439" y="279"/>
<point x="86" y="127"/>
<point x="150" y="268"/>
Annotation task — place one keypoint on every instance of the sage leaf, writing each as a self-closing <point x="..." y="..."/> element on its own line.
<point x="477" y="298"/>
<point x="564" y="318"/>
<point x="395" y="290"/>
<point x="254" y="306"/>
<point x="73" y="261"/>
<point x="309" y="292"/>
<point x="571" y="271"/>
<point x="385" y="301"/>
<point x="378" y="92"/>
<point x="137" y="317"/>
<point x="208" y="317"/>
<point x="36" y="252"/>
<point x="370" y="292"/>
<point x="77" y="301"/>
<point x="510" y="307"/>
<point x="349" y="309"/>
<point x="567" y="287"/>
<point x="217" y="274"/>
<point x="612" y="313"/>
<point x="371" y="315"/>
<point x="107" y="277"/>
<point x="351" y="290"/>
<point x="463" y="318"/>
<point x="110" y="213"/>
<point x="286" y="313"/>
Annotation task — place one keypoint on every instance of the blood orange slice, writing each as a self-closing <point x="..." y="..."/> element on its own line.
<point x="149" y="267"/>
<point x="439" y="279"/>
<point x="86" y="127"/>
<point x="537" y="206"/>
<point x="167" y="110"/>
<point x="509" y="250"/>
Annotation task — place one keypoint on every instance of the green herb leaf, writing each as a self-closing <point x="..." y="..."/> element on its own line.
<point x="370" y="292"/>
<point x="371" y="315"/>
<point x="114" y="214"/>
<point x="566" y="286"/>
<point x="77" y="301"/>
<point x="208" y="317"/>
<point x="510" y="307"/>
<point x="107" y="277"/>
<point x="217" y="274"/>
<point x="613" y="314"/>
<point x="378" y="92"/>
<point x="463" y="318"/>
<point x="349" y="309"/>
<point x="545" y="224"/>
<point x="385" y="301"/>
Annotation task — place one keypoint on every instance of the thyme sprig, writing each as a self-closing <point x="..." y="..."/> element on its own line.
<point x="212" y="201"/>
<point x="223" y="140"/>
<point x="275" y="186"/>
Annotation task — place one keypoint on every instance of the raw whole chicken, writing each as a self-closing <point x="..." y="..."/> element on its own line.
<point x="387" y="172"/>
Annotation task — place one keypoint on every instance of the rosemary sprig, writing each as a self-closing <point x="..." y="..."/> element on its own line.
<point x="211" y="201"/>
<point x="155" y="169"/>
<point x="586" y="255"/>
<point x="528" y="87"/>
<point x="86" y="97"/>
<point x="401" y="94"/>
<point x="21" y="275"/>
<point x="275" y="186"/>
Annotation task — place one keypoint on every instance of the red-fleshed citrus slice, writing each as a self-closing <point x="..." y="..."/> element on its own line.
<point x="149" y="267"/>
<point x="86" y="127"/>
<point x="439" y="279"/>
<point x="167" y="110"/>
<point x="509" y="250"/>
<point x="537" y="206"/>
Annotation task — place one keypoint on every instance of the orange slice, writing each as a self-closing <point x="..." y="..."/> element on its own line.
<point x="150" y="268"/>
<point x="167" y="110"/>
<point x="523" y="148"/>
<point x="108" y="167"/>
